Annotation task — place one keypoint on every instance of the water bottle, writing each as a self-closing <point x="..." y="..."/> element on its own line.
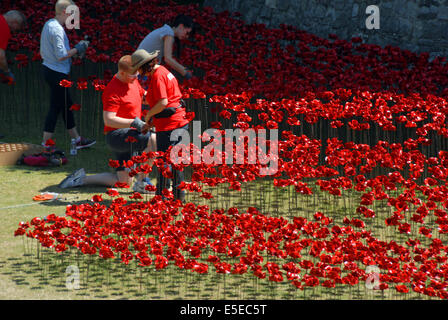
<point x="73" y="150"/>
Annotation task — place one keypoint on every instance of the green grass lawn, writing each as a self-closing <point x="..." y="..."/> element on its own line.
<point x="28" y="271"/>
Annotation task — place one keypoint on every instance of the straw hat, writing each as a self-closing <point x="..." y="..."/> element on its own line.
<point x="140" y="57"/>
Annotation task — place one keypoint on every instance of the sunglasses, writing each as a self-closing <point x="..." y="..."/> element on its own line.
<point x="133" y="76"/>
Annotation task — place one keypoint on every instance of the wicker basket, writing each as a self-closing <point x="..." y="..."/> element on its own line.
<point x="11" y="152"/>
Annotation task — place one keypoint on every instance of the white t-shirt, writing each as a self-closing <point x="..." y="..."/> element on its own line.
<point x="54" y="45"/>
<point x="154" y="40"/>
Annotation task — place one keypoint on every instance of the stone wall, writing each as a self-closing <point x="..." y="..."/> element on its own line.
<point x="416" y="25"/>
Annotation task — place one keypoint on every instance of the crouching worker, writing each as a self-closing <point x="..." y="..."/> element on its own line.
<point x="126" y="134"/>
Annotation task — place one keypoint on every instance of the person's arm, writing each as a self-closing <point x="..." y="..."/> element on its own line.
<point x="111" y="120"/>
<point x="144" y="97"/>
<point x="158" y="107"/>
<point x="59" y="47"/>
<point x="168" y="42"/>
<point x="6" y="76"/>
<point x="70" y="54"/>
<point x="3" y="61"/>
<point x="144" y="100"/>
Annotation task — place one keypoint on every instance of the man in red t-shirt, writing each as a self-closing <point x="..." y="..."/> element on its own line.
<point x="11" y="22"/>
<point x="125" y="132"/>
<point x="166" y="112"/>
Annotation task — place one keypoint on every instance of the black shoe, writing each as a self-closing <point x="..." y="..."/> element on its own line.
<point x="85" y="143"/>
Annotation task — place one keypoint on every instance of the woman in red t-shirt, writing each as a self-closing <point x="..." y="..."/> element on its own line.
<point x="166" y="112"/>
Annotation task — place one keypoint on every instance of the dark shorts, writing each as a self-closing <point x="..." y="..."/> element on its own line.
<point x="125" y="150"/>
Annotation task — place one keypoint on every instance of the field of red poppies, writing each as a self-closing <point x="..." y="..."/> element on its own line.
<point x="362" y="157"/>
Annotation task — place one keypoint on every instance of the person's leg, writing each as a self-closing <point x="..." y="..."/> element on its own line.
<point x="51" y="77"/>
<point x="118" y="141"/>
<point x="73" y="133"/>
<point x="151" y="147"/>
<point x="60" y="102"/>
<point x="107" y="179"/>
<point x="178" y="176"/>
<point x="163" y="143"/>
<point x="69" y="120"/>
<point x="65" y="102"/>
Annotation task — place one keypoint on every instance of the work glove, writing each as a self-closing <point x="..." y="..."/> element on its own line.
<point x="188" y="75"/>
<point x="81" y="47"/>
<point x="138" y="124"/>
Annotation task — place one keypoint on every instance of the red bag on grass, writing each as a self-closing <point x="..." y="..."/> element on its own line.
<point x="44" y="159"/>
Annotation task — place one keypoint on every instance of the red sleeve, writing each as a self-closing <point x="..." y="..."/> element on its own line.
<point x="158" y="89"/>
<point x="111" y="102"/>
<point x="4" y="39"/>
<point x="142" y="91"/>
<point x="5" y="33"/>
<point x="3" y="42"/>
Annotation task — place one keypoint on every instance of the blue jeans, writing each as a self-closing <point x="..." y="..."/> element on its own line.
<point x="163" y="143"/>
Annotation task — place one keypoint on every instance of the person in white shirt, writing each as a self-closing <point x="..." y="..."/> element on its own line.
<point x="57" y="58"/>
<point x="162" y="40"/>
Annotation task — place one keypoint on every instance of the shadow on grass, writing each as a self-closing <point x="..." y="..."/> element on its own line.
<point x="110" y="279"/>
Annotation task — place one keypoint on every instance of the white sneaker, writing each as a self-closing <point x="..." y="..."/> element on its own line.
<point x="73" y="180"/>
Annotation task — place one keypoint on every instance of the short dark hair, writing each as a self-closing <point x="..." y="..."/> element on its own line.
<point x="148" y="66"/>
<point x="187" y="21"/>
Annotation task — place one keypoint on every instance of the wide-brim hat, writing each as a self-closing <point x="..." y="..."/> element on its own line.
<point x="140" y="57"/>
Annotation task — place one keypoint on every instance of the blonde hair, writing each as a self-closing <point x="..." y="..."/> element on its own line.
<point x="125" y="64"/>
<point x="61" y="5"/>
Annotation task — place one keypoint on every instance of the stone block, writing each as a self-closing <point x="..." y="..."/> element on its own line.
<point x="402" y="22"/>
<point x="284" y="5"/>
<point x="423" y="10"/>
<point x="331" y="15"/>
<point x="433" y="30"/>
<point x="442" y="13"/>
<point x="319" y="11"/>
<point x="387" y="5"/>
<point x="427" y="16"/>
<point x="406" y="28"/>
<point x="425" y="42"/>
<point x="272" y="4"/>
<point x="355" y="10"/>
